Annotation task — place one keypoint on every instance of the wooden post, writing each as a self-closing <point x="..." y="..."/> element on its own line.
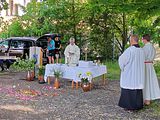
<point x="91" y="84"/>
<point x="48" y="80"/>
<point x="72" y="84"/>
<point x="86" y="56"/>
<point x="104" y="79"/>
<point x="41" y="57"/>
<point x="77" y="85"/>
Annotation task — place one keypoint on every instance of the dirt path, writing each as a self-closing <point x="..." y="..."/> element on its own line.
<point x="23" y="100"/>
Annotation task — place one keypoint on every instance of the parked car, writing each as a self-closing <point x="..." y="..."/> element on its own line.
<point x="15" y="46"/>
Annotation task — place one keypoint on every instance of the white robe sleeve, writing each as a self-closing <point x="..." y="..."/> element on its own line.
<point x="66" y="54"/>
<point x="124" y="59"/>
<point x="150" y="52"/>
<point x="77" y="53"/>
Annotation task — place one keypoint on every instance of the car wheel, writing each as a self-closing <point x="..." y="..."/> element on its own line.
<point x="1" y="68"/>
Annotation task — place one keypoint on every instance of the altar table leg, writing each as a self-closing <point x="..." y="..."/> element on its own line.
<point x="77" y="85"/>
<point x="104" y="79"/>
<point x="48" y="80"/>
<point x="72" y="84"/>
<point x="91" y="84"/>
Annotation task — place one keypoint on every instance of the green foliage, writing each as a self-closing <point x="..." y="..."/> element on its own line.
<point x="84" y="80"/>
<point x="41" y="70"/>
<point x="157" y="68"/>
<point x="3" y="5"/>
<point x="16" y="29"/>
<point x="23" y="65"/>
<point x="101" y="25"/>
<point x="57" y="73"/>
<point x="113" y="70"/>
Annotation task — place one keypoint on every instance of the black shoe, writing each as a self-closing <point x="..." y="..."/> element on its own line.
<point x="42" y="82"/>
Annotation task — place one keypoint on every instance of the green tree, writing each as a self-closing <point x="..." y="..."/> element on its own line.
<point x="16" y="29"/>
<point x="103" y="26"/>
<point x="3" y="5"/>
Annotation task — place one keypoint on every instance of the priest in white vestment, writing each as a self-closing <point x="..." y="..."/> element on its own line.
<point x="151" y="89"/>
<point x="131" y="63"/>
<point x="72" y="53"/>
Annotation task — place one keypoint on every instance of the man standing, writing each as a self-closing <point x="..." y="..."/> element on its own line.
<point x="57" y="49"/>
<point x="72" y="53"/>
<point x="151" y="89"/>
<point x="131" y="63"/>
<point x="51" y="48"/>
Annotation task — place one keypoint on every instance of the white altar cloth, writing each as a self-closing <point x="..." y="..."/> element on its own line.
<point x="72" y="73"/>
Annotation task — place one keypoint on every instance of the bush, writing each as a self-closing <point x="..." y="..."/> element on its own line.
<point x="23" y="65"/>
<point x="41" y="70"/>
<point x="157" y="68"/>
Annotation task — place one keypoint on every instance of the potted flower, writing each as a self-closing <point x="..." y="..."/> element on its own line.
<point x="86" y="81"/>
<point x="24" y="65"/>
<point x="41" y="74"/>
<point x="57" y="74"/>
<point x="31" y="65"/>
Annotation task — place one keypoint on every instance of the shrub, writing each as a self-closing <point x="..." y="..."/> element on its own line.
<point x="157" y="68"/>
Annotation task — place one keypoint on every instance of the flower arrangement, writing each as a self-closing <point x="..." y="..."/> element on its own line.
<point x="57" y="73"/>
<point x="85" y="78"/>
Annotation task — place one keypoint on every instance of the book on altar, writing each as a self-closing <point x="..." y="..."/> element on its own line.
<point x="85" y="63"/>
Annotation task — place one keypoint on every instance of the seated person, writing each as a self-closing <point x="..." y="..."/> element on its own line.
<point x="72" y="53"/>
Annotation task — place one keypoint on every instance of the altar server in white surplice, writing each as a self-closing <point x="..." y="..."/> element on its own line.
<point x="132" y="67"/>
<point x="72" y="53"/>
<point x="151" y="89"/>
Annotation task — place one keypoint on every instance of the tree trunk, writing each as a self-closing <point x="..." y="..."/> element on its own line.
<point x="124" y="32"/>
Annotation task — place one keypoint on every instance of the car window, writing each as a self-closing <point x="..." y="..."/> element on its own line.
<point x="27" y="44"/>
<point x="42" y="43"/>
<point x="21" y="44"/>
<point x="14" y="44"/>
<point x="4" y="44"/>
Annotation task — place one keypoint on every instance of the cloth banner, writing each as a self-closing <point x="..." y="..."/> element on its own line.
<point x="36" y="53"/>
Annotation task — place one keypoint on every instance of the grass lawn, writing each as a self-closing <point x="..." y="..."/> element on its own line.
<point x="154" y="107"/>
<point x="113" y="70"/>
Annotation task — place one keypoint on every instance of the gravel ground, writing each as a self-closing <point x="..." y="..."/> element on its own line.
<point x="65" y="103"/>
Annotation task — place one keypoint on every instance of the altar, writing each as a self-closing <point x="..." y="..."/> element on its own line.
<point x="72" y="73"/>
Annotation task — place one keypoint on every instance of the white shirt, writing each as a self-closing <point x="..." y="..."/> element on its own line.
<point x="132" y="67"/>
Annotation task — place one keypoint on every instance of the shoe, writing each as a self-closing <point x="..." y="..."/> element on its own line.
<point x="42" y="82"/>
